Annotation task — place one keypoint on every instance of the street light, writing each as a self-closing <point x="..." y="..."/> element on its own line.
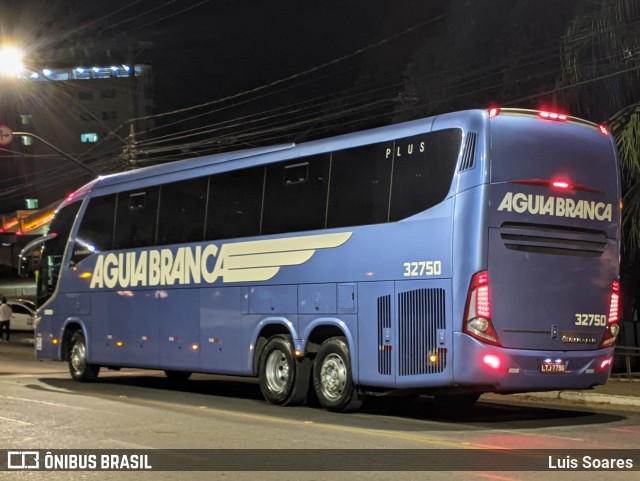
<point x="11" y="64"/>
<point x="11" y="61"/>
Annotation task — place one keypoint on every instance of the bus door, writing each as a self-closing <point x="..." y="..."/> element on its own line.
<point x="553" y="247"/>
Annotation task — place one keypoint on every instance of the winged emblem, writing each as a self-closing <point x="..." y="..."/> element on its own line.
<point x="261" y="260"/>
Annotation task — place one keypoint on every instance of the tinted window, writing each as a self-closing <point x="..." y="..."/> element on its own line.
<point x="360" y="183"/>
<point x="182" y="211"/>
<point x="18" y="309"/>
<point x="136" y="218"/>
<point x="422" y="171"/>
<point x="61" y="226"/>
<point x="235" y="204"/>
<point x="53" y="250"/>
<point x="295" y="197"/>
<point x="96" y="229"/>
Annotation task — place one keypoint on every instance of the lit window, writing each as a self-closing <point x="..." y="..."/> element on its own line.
<point x="25" y="119"/>
<point x="89" y="138"/>
<point x="26" y="140"/>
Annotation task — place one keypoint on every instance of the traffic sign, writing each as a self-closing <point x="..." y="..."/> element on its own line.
<point x="6" y="135"/>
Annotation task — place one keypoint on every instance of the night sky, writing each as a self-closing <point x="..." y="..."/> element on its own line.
<point x="295" y="70"/>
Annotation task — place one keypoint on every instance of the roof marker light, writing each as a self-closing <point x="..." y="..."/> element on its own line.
<point x="560" y="184"/>
<point x="493" y="112"/>
<point x="603" y="129"/>
<point x="553" y="116"/>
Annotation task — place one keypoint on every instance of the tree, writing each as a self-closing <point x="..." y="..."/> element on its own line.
<point x="600" y="79"/>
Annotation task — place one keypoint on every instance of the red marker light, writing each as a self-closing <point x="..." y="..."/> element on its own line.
<point x="605" y="363"/>
<point x="603" y="129"/>
<point x="493" y="112"/>
<point x="553" y="116"/>
<point x="492" y="361"/>
<point x="560" y="184"/>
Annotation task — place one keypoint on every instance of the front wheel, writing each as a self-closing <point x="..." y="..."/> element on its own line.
<point x="332" y="379"/>
<point x="79" y="368"/>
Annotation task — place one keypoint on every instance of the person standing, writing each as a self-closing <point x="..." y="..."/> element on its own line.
<point x="5" y="319"/>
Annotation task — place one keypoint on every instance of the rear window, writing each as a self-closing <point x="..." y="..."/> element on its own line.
<point x="524" y="148"/>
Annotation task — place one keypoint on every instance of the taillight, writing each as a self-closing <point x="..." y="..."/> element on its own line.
<point x="477" y="314"/>
<point x="613" y="327"/>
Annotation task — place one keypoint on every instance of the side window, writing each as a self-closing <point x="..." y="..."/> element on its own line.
<point x="423" y="168"/>
<point x="18" y="309"/>
<point x="61" y="226"/>
<point x="295" y="197"/>
<point x="136" y="218"/>
<point x="96" y="229"/>
<point x="360" y="183"/>
<point x="53" y="251"/>
<point x="182" y="211"/>
<point x="235" y="204"/>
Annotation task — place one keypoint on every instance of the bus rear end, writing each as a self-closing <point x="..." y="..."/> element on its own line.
<point x="543" y="312"/>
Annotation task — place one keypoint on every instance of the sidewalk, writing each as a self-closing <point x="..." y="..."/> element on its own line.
<point x="619" y="391"/>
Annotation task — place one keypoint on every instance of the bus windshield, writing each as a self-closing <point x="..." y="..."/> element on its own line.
<point x="53" y="252"/>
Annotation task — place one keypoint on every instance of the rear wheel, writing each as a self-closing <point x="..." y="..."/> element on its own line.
<point x="277" y="370"/>
<point x="79" y="368"/>
<point x="332" y="379"/>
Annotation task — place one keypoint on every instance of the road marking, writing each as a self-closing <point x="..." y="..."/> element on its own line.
<point x="24" y="423"/>
<point x="46" y="403"/>
<point x="564" y="438"/>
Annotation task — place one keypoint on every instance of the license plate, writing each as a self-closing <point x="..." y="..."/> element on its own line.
<point x="550" y="367"/>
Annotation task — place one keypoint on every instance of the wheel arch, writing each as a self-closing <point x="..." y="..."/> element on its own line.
<point x="267" y="328"/>
<point x="70" y="326"/>
<point x="325" y="328"/>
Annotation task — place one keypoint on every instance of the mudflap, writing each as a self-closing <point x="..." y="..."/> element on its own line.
<point x="302" y="382"/>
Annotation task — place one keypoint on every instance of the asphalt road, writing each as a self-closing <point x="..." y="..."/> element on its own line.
<point x="42" y="409"/>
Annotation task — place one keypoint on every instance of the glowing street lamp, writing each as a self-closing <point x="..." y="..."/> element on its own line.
<point x="11" y="61"/>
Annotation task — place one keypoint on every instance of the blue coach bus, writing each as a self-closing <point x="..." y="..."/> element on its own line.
<point x="465" y="253"/>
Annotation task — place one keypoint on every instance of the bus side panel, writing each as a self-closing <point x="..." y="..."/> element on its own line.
<point x="404" y="336"/>
<point x="179" y="319"/>
<point x="376" y="308"/>
<point x="423" y="348"/>
<point x="224" y="343"/>
<point x="124" y="329"/>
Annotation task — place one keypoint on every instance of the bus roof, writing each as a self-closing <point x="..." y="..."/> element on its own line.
<point x="468" y="119"/>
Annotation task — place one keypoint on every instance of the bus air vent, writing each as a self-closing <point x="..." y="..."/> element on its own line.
<point x="421" y="313"/>
<point x="469" y="152"/>
<point x="384" y="328"/>
<point x="554" y="240"/>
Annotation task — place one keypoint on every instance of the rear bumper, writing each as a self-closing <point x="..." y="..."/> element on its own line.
<point x="519" y="370"/>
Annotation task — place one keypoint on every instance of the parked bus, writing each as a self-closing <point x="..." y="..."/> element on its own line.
<point x="464" y="253"/>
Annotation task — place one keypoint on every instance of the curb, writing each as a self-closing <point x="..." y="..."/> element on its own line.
<point x="583" y="398"/>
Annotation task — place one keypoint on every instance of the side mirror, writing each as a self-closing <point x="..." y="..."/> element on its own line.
<point x="25" y="254"/>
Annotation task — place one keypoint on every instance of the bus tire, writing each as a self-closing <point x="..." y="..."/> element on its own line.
<point x="177" y="376"/>
<point x="277" y="370"/>
<point x="79" y="368"/>
<point x="332" y="378"/>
